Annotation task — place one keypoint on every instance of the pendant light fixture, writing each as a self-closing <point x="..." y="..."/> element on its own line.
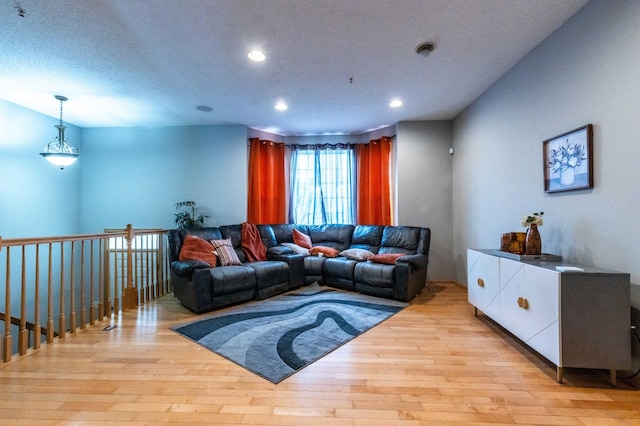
<point x="58" y="152"/>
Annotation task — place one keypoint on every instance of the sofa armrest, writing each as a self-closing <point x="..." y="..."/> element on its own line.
<point x="418" y="261"/>
<point x="296" y="267"/>
<point x="184" y="269"/>
<point x="409" y="279"/>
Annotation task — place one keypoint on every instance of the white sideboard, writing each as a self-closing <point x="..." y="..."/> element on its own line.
<point x="578" y="319"/>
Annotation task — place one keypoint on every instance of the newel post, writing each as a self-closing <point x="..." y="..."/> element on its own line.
<point x="130" y="296"/>
<point x="6" y="345"/>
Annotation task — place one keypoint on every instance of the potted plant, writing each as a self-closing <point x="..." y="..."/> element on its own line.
<point x="186" y="217"/>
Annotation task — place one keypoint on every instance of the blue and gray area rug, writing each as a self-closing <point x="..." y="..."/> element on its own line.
<point x="277" y="337"/>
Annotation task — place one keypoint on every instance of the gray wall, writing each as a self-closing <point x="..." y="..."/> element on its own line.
<point x="424" y="187"/>
<point x="586" y="72"/>
<point x="136" y="175"/>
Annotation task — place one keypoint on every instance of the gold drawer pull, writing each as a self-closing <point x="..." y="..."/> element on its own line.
<point x="481" y="282"/>
<point x="523" y="303"/>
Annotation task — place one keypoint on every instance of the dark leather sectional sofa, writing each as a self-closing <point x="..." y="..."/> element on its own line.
<point x="201" y="288"/>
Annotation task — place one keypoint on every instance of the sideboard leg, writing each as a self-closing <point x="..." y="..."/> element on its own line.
<point x="559" y="374"/>
<point x="612" y="376"/>
<point x="475" y="311"/>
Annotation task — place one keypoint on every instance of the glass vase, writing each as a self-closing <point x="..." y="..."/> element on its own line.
<point x="533" y="244"/>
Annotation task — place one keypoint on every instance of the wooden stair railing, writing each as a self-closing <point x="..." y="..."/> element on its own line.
<point x="75" y="281"/>
<point x="31" y="327"/>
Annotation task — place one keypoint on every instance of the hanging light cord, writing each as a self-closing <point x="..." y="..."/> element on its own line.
<point x="61" y="112"/>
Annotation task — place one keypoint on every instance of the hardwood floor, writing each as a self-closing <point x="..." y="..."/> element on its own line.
<point x="433" y="363"/>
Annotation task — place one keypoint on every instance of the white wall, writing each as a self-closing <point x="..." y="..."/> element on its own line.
<point x="424" y="186"/>
<point x="586" y="72"/>
<point x="136" y="175"/>
<point x="36" y="198"/>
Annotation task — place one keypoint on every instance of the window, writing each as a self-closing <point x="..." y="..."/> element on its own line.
<point x="322" y="181"/>
<point x="343" y="183"/>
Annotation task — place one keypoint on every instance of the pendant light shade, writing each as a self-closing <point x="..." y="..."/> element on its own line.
<point x="58" y="152"/>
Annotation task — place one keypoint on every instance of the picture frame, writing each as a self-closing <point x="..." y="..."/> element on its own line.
<point x="568" y="160"/>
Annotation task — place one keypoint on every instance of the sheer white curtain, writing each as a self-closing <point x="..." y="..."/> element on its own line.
<point x="323" y="184"/>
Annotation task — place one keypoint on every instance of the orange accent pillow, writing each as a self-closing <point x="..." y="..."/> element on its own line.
<point x="195" y="248"/>
<point x="324" y="251"/>
<point x="302" y="239"/>
<point x="386" y="258"/>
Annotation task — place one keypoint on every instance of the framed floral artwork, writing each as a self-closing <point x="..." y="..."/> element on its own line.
<point x="568" y="160"/>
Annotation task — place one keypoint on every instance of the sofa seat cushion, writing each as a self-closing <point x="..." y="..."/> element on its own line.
<point x="297" y="249"/>
<point x="272" y="277"/>
<point x="386" y="258"/>
<point x="338" y="272"/>
<point x="269" y="272"/>
<point x="374" y="274"/>
<point x="314" y="265"/>
<point x="356" y="254"/>
<point x="314" y="269"/>
<point x="232" y="279"/>
<point x="324" y="251"/>
<point x="339" y="267"/>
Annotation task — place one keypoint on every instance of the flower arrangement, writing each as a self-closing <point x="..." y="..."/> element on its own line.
<point x="566" y="156"/>
<point x="535" y="218"/>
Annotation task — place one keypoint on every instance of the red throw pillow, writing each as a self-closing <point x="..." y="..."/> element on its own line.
<point x="195" y="248"/>
<point x="386" y="258"/>
<point x="325" y="251"/>
<point x="302" y="239"/>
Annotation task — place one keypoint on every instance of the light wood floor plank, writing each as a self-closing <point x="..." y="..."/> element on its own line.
<point x="433" y="363"/>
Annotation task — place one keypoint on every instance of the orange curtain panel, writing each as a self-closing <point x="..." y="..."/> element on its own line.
<point x="267" y="192"/>
<point x="374" y="182"/>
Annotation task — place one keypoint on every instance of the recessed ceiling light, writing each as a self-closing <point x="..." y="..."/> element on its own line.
<point x="395" y="103"/>
<point x="425" y="49"/>
<point x="204" y="108"/>
<point x="256" y="55"/>
<point x="281" y="106"/>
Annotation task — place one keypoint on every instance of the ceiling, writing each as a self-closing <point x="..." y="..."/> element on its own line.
<point x="336" y="63"/>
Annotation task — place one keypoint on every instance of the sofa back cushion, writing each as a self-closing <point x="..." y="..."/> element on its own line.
<point x="335" y="236"/>
<point x="267" y="235"/>
<point x="272" y="235"/>
<point x="367" y="237"/>
<point x="400" y="239"/>
<point x="234" y="232"/>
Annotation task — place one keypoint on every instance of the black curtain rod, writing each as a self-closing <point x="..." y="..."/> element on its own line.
<point x="355" y="143"/>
